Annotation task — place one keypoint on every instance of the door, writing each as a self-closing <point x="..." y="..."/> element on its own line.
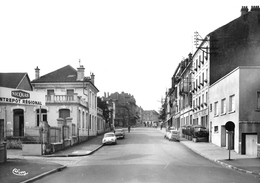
<point x="251" y="145"/>
<point x="223" y="136"/>
<point x="18" y="122"/>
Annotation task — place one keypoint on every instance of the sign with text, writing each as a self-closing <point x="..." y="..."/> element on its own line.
<point x="12" y="96"/>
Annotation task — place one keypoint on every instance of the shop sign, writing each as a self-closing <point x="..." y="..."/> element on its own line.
<point x="8" y="95"/>
<point x="20" y="94"/>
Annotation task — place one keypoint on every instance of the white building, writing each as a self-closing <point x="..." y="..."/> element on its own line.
<point x="70" y="94"/>
<point x="236" y="98"/>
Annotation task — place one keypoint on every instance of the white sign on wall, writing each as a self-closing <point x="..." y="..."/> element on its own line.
<point x="14" y="96"/>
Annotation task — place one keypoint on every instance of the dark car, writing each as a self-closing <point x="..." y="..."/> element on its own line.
<point x="120" y="133"/>
<point x="199" y="133"/>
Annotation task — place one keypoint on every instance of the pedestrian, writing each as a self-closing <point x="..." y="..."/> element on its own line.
<point x="129" y="128"/>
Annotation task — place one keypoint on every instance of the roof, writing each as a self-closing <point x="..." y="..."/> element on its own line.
<point x="64" y="74"/>
<point x="14" y="80"/>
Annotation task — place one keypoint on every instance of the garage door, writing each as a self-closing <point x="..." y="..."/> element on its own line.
<point x="251" y="145"/>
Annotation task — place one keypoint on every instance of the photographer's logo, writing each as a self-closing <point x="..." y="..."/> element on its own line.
<point x="19" y="172"/>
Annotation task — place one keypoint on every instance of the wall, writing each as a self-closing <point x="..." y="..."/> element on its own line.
<point x="235" y="44"/>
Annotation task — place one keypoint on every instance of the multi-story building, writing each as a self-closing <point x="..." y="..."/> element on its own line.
<point x="200" y="83"/>
<point x="126" y="110"/>
<point x="233" y="45"/>
<point x="69" y="94"/>
<point x="239" y="104"/>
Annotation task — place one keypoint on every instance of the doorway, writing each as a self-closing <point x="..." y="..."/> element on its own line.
<point x="223" y="136"/>
<point x="18" y="122"/>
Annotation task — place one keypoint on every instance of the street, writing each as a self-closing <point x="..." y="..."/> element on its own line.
<point x="145" y="156"/>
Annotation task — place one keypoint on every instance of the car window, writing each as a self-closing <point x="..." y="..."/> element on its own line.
<point x="109" y="135"/>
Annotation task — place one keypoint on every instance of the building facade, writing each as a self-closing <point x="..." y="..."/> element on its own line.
<point x="239" y="104"/>
<point x="69" y="94"/>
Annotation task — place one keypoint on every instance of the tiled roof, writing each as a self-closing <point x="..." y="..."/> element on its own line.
<point x="11" y="80"/>
<point x="64" y="74"/>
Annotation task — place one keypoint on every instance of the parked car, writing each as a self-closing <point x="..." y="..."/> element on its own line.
<point x="109" y="138"/>
<point x="170" y="131"/>
<point x="174" y="135"/>
<point x="199" y="133"/>
<point x="119" y="133"/>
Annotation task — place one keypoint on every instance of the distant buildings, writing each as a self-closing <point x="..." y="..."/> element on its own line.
<point x="150" y="117"/>
<point x="126" y="111"/>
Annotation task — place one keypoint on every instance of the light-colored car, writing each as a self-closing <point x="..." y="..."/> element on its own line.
<point x="119" y="133"/>
<point x="174" y="135"/>
<point x="109" y="138"/>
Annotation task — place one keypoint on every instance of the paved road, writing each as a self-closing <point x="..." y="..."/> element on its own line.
<point x="145" y="156"/>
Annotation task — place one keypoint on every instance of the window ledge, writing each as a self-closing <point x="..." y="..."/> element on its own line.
<point x="231" y="112"/>
<point x="222" y="114"/>
<point x="257" y="110"/>
<point x="216" y="115"/>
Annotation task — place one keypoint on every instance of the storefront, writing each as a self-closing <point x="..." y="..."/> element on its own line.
<point x="19" y="109"/>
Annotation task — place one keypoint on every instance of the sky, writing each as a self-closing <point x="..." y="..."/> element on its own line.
<point x="132" y="46"/>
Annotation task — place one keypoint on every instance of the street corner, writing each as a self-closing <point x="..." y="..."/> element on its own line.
<point x="22" y="170"/>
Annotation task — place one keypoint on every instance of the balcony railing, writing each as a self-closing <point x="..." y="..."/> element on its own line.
<point x="66" y="99"/>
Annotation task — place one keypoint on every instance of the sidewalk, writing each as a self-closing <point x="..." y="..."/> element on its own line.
<point x="242" y="163"/>
<point x="19" y="168"/>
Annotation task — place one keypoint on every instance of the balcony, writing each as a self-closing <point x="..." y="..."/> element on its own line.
<point x="65" y="99"/>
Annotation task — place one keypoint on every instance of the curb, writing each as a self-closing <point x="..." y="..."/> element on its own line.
<point x="73" y="155"/>
<point x="225" y="164"/>
<point x="44" y="174"/>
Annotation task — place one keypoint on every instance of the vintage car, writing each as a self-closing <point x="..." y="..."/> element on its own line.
<point x="199" y="133"/>
<point x="109" y="138"/>
<point x="119" y="133"/>
<point x="173" y="135"/>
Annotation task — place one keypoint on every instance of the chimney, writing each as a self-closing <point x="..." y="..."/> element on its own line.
<point x="37" y="72"/>
<point x="93" y="78"/>
<point x="80" y="73"/>
<point x="255" y="8"/>
<point x="244" y="10"/>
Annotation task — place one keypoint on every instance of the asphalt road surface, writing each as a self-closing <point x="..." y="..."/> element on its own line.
<point x="145" y="156"/>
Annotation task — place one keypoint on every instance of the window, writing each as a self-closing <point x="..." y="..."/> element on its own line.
<point x="50" y="92"/>
<point x="223" y="106"/>
<point x="70" y="92"/>
<point x="232" y="103"/>
<point x="210" y="107"/>
<point x="258" y="100"/>
<point x="215" y="129"/>
<point x="215" y="108"/>
<point x="79" y="123"/>
<point x="83" y="120"/>
<point x="43" y="114"/>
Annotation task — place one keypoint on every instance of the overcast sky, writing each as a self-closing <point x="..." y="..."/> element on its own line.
<point x="130" y="45"/>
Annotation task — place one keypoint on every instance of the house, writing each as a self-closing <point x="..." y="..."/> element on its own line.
<point x="71" y="100"/>
<point x="239" y="104"/>
<point x="18" y="108"/>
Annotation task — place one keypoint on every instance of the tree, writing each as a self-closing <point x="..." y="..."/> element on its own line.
<point x="104" y="106"/>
